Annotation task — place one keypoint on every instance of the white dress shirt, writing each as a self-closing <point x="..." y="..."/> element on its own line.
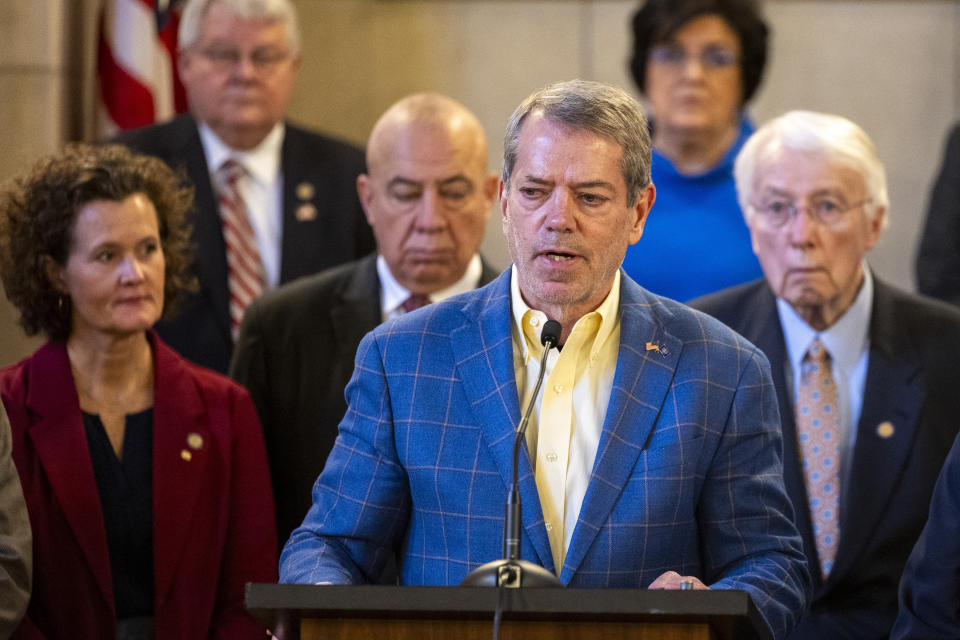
<point x="392" y="293"/>
<point x="261" y="189"/>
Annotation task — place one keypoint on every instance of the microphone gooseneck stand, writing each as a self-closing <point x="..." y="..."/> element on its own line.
<point x="511" y="571"/>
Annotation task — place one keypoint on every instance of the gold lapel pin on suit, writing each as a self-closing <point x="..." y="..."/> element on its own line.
<point x="305" y="191"/>
<point x="885" y="429"/>
<point x="305" y="213"/>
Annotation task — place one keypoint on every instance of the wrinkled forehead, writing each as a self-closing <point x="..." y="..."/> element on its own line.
<point x="805" y="172"/>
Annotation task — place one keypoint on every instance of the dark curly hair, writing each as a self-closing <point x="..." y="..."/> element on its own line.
<point x="38" y="211"/>
<point x="657" y="20"/>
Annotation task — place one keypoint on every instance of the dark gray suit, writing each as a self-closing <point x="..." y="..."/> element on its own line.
<point x="911" y="383"/>
<point x="295" y="354"/>
<point x="16" y="560"/>
<point x="337" y="234"/>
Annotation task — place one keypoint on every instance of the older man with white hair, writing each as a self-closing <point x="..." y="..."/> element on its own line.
<point x="273" y="201"/>
<point x="865" y="373"/>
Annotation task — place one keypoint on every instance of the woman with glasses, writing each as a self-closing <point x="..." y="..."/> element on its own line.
<point x="698" y="63"/>
<point x="145" y="476"/>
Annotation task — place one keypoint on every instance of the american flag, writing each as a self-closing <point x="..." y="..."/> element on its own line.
<point x="136" y="64"/>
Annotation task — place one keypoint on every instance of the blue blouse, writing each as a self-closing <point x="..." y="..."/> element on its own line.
<point x="695" y="241"/>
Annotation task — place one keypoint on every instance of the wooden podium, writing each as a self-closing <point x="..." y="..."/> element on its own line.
<point x="465" y="613"/>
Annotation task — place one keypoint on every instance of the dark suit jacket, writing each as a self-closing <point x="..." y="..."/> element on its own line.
<point x="15" y="558"/>
<point x="339" y="233"/>
<point x="912" y="383"/>
<point x="938" y="258"/>
<point x="930" y="588"/>
<point x="213" y="529"/>
<point x="295" y="354"/>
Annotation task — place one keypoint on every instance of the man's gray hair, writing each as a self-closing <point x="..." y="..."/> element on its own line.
<point x="838" y="139"/>
<point x="599" y="108"/>
<point x="195" y="12"/>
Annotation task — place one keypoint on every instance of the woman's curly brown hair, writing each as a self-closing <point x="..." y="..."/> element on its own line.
<point x="38" y="211"/>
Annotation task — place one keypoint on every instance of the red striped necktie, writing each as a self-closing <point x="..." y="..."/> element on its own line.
<point x="246" y="278"/>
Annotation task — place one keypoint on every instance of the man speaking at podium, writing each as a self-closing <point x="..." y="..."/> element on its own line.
<point x="653" y="455"/>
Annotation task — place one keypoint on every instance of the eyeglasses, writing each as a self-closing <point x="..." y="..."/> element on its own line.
<point x="265" y="59"/>
<point x="712" y="58"/>
<point x="828" y="211"/>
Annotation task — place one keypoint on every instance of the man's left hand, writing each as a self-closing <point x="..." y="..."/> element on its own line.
<point x="673" y="580"/>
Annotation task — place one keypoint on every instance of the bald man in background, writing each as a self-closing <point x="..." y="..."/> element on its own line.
<point x="427" y="195"/>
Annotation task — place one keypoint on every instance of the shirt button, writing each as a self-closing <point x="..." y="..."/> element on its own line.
<point x="549" y="526"/>
<point x="551" y="457"/>
<point x="558" y="388"/>
<point x="534" y="321"/>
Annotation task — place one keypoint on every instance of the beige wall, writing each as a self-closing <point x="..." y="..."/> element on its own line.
<point x="890" y="66"/>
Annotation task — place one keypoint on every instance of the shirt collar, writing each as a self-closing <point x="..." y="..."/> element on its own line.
<point x="392" y="293"/>
<point x="529" y="322"/>
<point x="262" y="162"/>
<point x="846" y="340"/>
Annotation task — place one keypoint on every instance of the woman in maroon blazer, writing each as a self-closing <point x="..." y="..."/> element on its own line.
<point x="145" y="476"/>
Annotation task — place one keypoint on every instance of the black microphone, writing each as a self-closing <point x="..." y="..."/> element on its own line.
<point x="511" y="571"/>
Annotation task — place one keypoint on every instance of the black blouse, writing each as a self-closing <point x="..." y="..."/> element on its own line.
<point x="126" y="498"/>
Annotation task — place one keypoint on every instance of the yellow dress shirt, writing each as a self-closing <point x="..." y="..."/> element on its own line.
<point x="565" y="427"/>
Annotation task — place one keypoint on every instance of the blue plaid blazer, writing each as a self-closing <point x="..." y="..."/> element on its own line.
<point x="688" y="472"/>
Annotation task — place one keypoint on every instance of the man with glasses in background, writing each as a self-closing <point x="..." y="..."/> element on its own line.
<point x="865" y="373"/>
<point x="273" y="201"/>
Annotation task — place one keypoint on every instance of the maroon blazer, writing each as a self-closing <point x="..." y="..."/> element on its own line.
<point x="213" y="523"/>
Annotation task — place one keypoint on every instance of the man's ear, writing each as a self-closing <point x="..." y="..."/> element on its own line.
<point x="490" y="191"/>
<point x="641" y="209"/>
<point x="365" y="193"/>
<point x="491" y="187"/>
<point x="502" y="195"/>
<point x="183" y="62"/>
<point x="876" y="223"/>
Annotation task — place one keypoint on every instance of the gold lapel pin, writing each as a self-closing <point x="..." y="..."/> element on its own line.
<point x="305" y="191"/>
<point x="305" y="213"/>
<point x="885" y="429"/>
<point x="195" y="441"/>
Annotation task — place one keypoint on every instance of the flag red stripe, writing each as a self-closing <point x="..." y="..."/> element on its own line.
<point x="128" y="99"/>
<point x="129" y="103"/>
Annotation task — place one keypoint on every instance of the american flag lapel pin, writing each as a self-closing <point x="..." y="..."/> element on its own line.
<point x="654" y="346"/>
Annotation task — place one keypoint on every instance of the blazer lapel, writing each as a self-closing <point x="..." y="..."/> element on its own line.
<point x="298" y="255"/>
<point x="893" y="396"/>
<point x="61" y="443"/>
<point x="359" y="309"/>
<point x="182" y="446"/>
<point x="483" y="348"/>
<point x="210" y="259"/>
<point x="645" y="368"/>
